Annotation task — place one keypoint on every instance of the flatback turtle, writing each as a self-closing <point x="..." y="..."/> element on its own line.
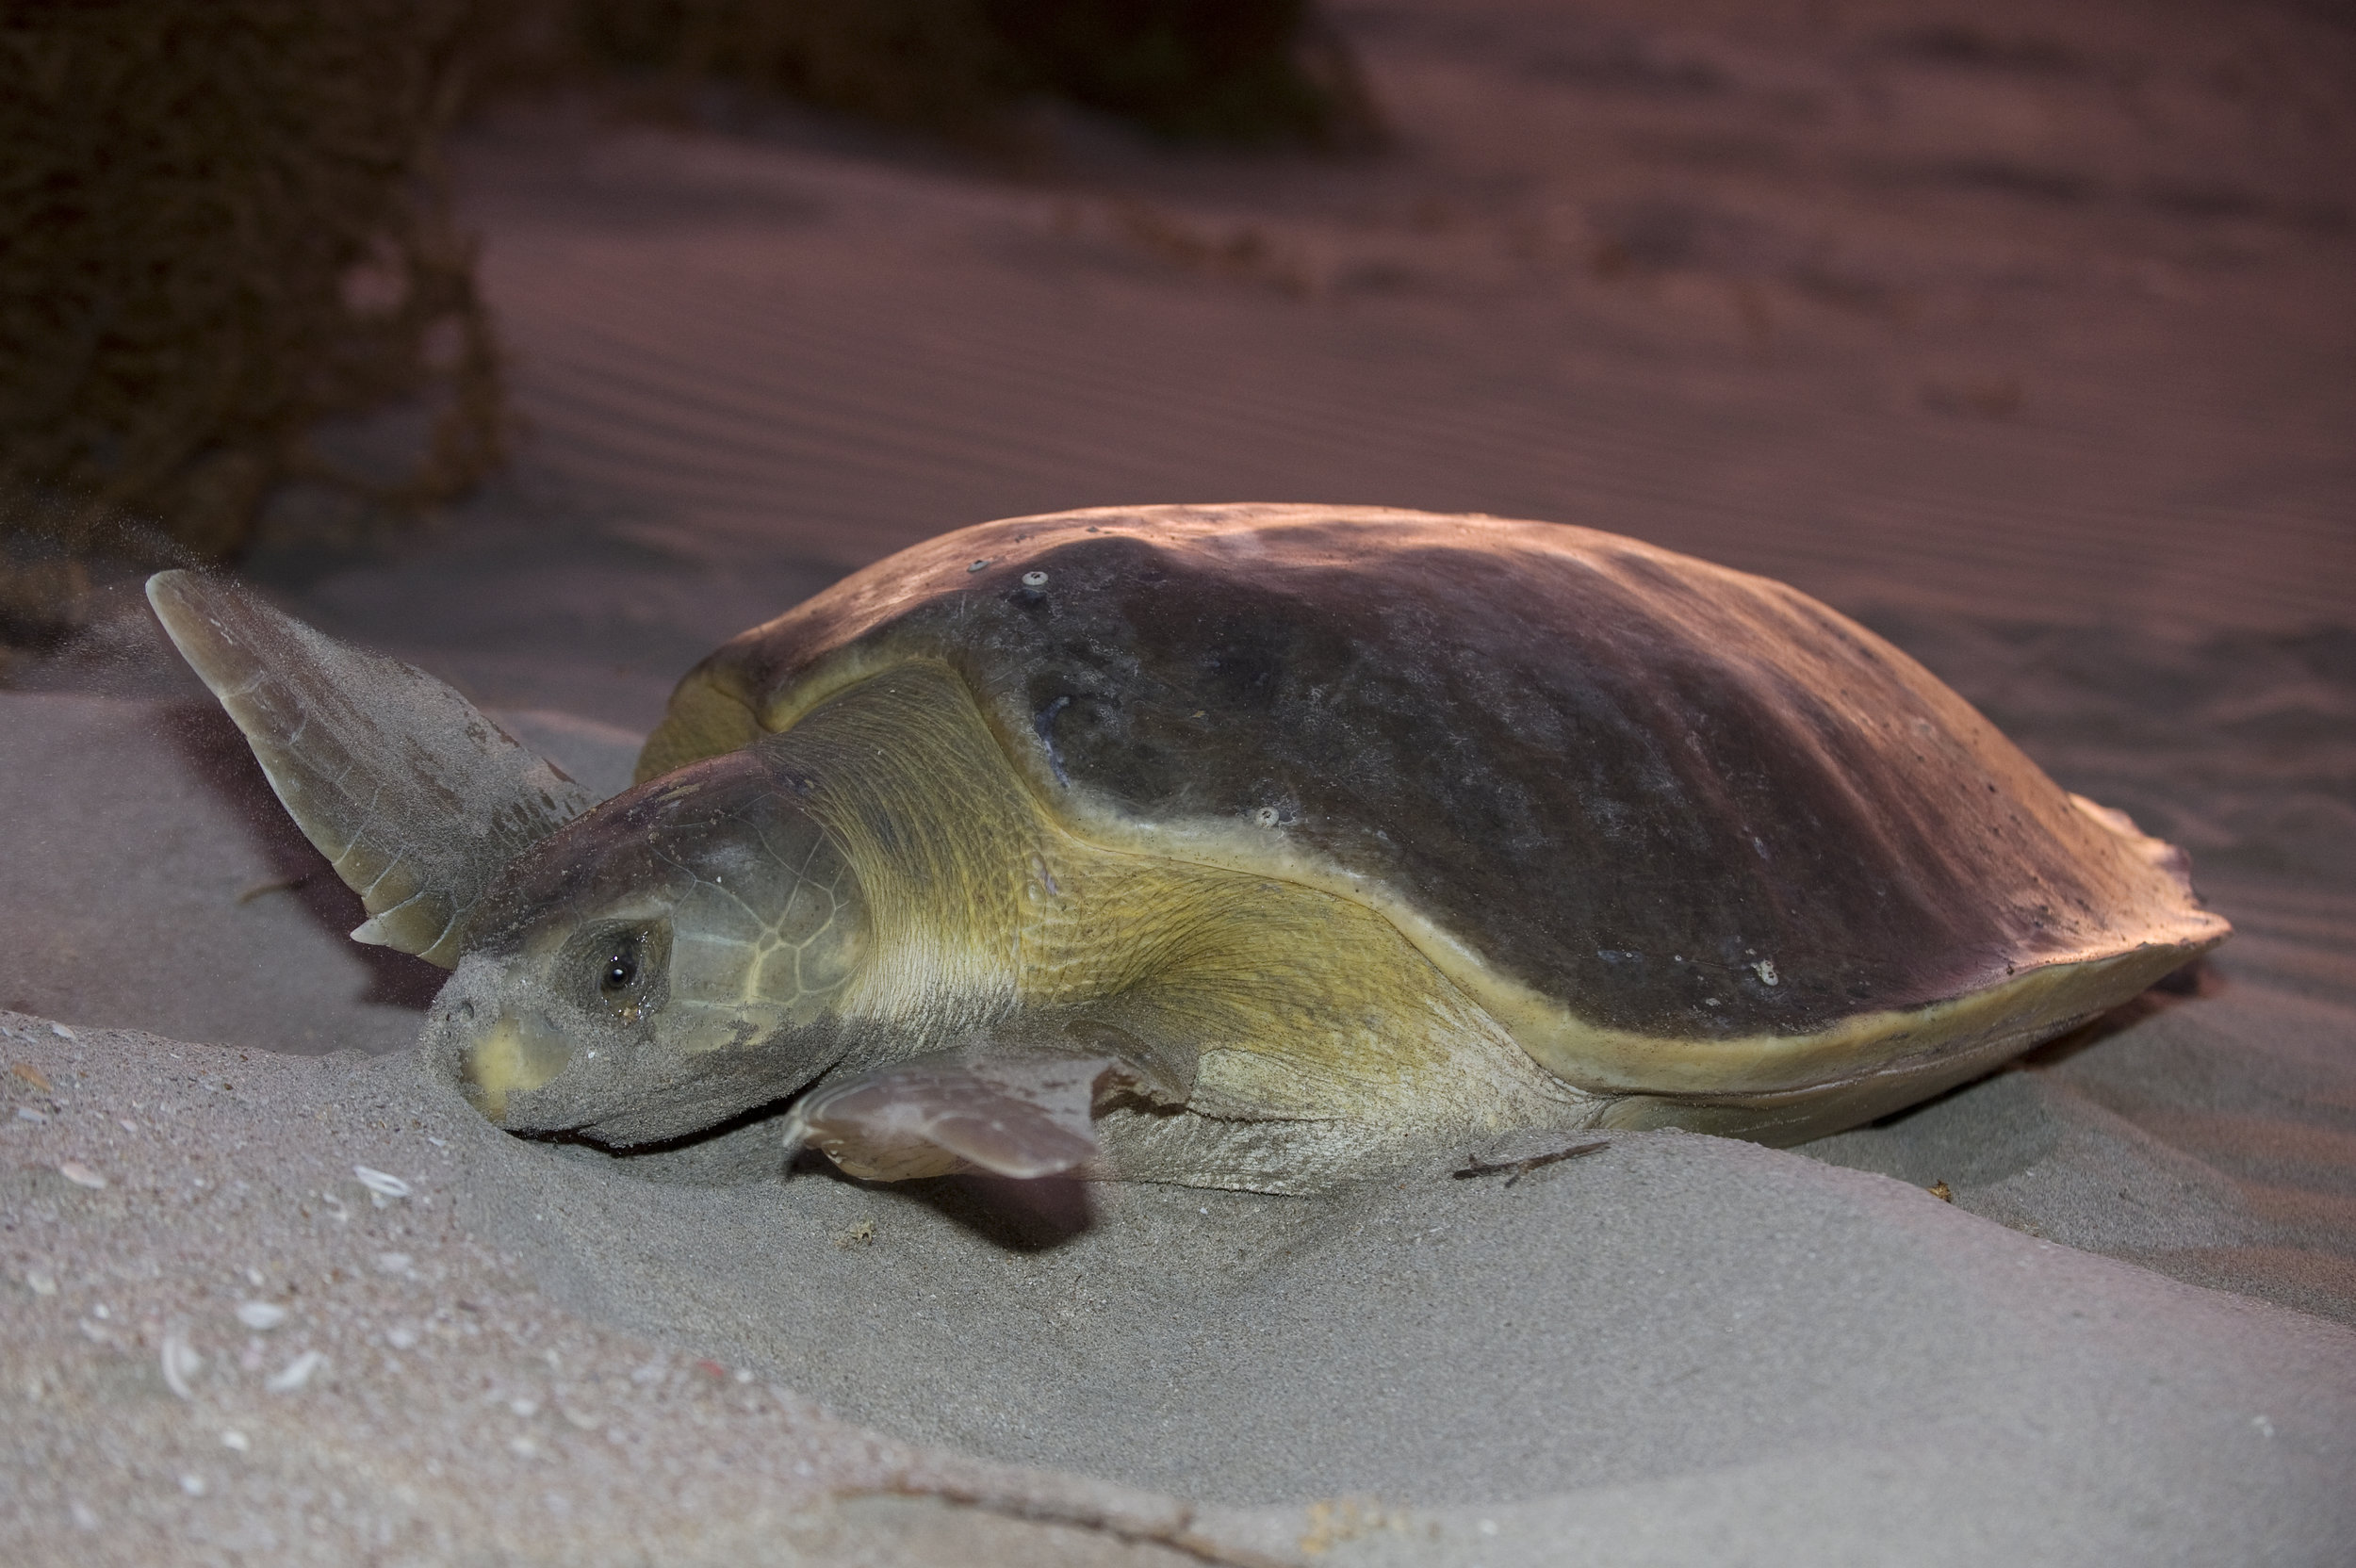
<point x="1242" y="846"/>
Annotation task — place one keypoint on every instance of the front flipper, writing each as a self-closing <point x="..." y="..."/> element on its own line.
<point x="416" y="797"/>
<point x="1022" y="1116"/>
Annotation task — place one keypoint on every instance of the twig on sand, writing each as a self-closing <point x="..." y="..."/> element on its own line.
<point x="1520" y="1169"/>
<point x="275" y="885"/>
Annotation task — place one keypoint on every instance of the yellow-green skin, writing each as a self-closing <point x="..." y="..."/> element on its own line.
<point x="1307" y="1036"/>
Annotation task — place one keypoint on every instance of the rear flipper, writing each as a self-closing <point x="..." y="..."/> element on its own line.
<point x="1020" y="1115"/>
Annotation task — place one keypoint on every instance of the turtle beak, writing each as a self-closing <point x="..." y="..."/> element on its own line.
<point x="516" y="1054"/>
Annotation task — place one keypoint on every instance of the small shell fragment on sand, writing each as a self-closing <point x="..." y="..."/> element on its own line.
<point x="34" y="1076"/>
<point x="232" y="1438"/>
<point x="295" y="1373"/>
<point x="82" y="1175"/>
<point x="394" y="1262"/>
<point x="64" y="1032"/>
<point x="383" y="1187"/>
<point x="261" y="1316"/>
<point x="41" y="1284"/>
<point x="180" y="1363"/>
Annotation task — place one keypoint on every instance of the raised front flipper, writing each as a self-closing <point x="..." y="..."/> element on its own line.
<point x="1022" y="1116"/>
<point x="415" y="796"/>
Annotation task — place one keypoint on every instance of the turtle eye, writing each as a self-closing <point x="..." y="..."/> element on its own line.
<point x="624" y="966"/>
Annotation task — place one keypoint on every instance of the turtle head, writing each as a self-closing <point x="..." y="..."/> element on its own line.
<point x="659" y="964"/>
<point x="636" y="971"/>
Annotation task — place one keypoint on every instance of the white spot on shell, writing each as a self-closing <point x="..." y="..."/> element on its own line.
<point x="1033" y="580"/>
<point x="293" y="1375"/>
<point x="82" y="1175"/>
<point x="1765" y="969"/>
<point x="978" y="565"/>
<point x="261" y="1316"/>
<point x="381" y="1184"/>
<point x="1266" y="816"/>
<point x="180" y="1363"/>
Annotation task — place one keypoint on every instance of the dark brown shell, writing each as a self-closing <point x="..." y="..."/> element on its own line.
<point x="1679" y="800"/>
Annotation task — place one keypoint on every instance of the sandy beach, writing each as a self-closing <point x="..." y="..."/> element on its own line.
<point x="2027" y="342"/>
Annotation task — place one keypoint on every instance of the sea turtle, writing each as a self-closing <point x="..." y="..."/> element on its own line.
<point x="1242" y="846"/>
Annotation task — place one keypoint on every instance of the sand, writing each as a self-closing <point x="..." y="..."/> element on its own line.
<point x="2026" y="345"/>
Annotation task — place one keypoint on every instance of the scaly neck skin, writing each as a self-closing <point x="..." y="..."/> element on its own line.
<point x="903" y="774"/>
